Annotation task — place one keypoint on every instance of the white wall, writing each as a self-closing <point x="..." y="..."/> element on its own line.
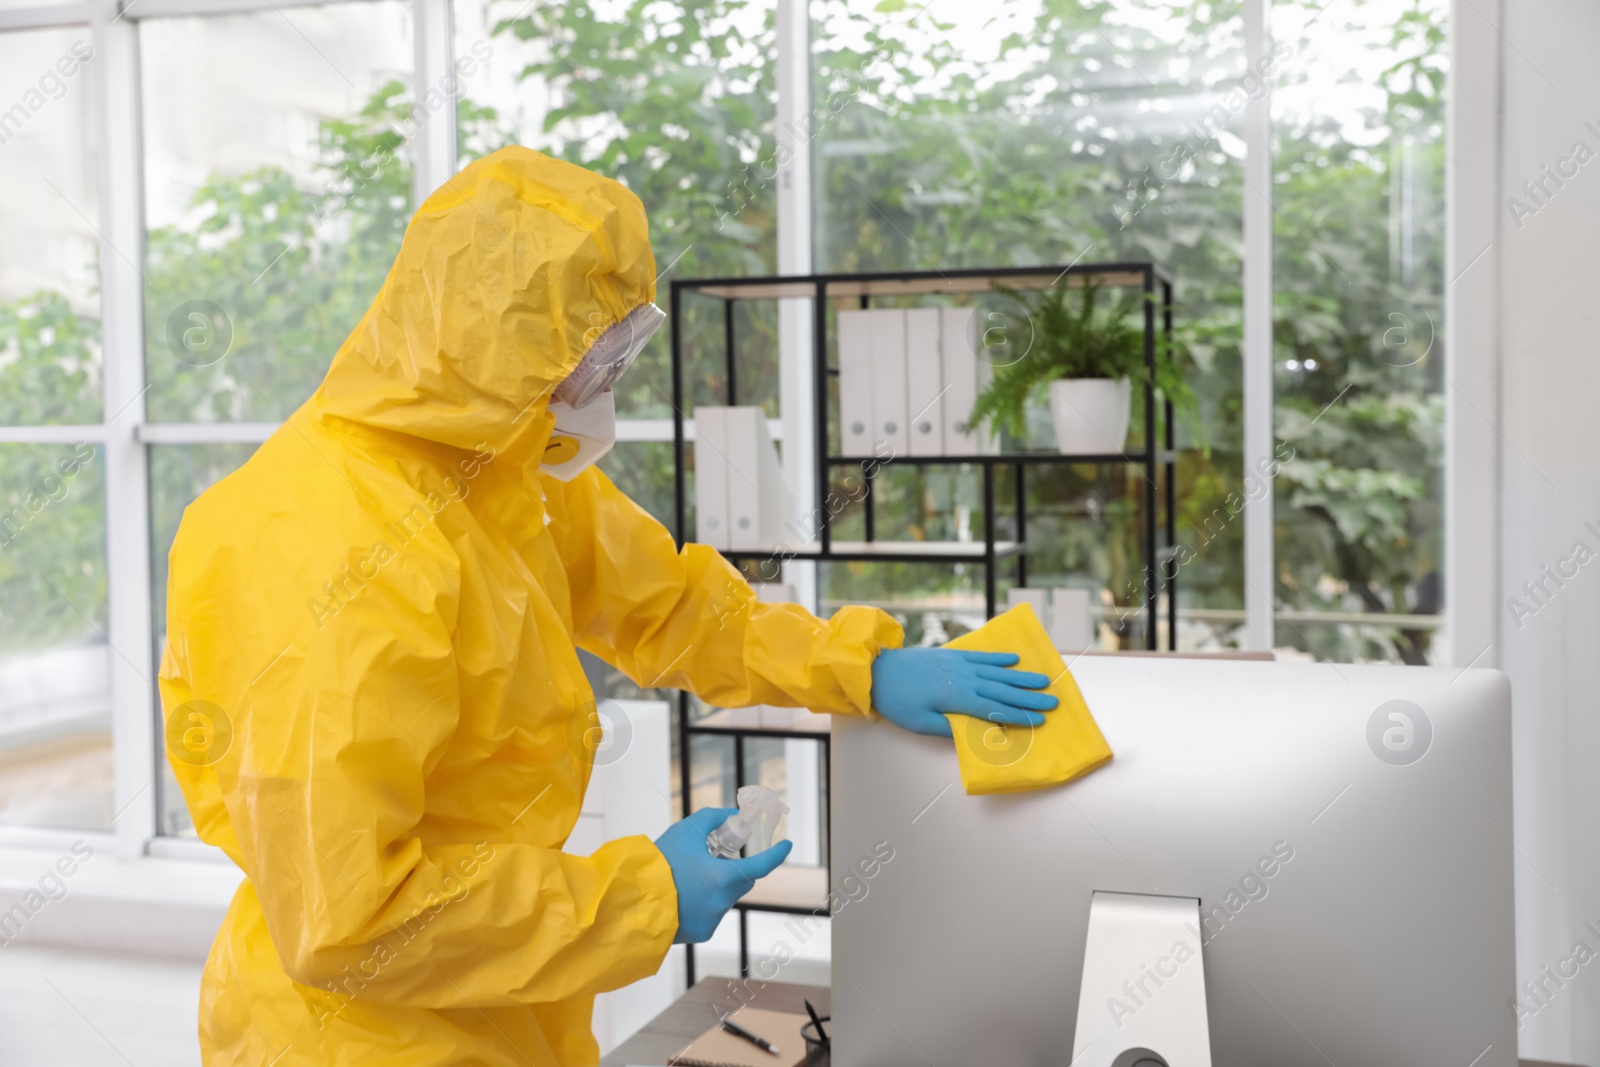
<point x="1549" y="266"/>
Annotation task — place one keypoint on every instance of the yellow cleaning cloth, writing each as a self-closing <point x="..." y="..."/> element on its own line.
<point x="1015" y="759"/>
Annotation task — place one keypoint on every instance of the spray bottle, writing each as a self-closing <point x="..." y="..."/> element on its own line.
<point x="754" y="824"/>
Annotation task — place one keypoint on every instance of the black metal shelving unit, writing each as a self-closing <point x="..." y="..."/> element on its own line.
<point x="1156" y="459"/>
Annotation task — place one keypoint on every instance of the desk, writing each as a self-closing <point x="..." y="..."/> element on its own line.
<point x="699" y="1009"/>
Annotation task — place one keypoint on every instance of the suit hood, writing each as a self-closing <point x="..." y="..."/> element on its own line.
<point x="505" y="276"/>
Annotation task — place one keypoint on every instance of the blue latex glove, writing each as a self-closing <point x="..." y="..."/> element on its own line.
<point x="708" y="886"/>
<point x="915" y="688"/>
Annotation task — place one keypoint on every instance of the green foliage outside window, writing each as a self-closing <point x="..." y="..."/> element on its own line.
<point x="923" y="163"/>
<point x="292" y="268"/>
<point x="1360" y="516"/>
<point x="1041" y="156"/>
<point x="49" y="362"/>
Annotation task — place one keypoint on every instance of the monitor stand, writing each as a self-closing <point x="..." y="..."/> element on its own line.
<point x="1143" y="998"/>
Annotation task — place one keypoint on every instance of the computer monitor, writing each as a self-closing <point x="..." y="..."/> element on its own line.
<point x="1345" y="828"/>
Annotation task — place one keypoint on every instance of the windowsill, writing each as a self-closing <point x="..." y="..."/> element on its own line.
<point x="158" y="905"/>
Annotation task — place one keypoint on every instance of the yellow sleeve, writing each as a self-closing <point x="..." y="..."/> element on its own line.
<point x="324" y="791"/>
<point x="688" y="620"/>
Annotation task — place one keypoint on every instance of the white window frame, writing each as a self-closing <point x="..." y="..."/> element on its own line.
<point x="1260" y="520"/>
<point x="1472" y="331"/>
<point x="125" y="435"/>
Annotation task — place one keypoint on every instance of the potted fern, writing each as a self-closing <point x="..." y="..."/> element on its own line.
<point x="1089" y="358"/>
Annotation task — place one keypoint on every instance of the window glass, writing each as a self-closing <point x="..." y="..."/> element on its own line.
<point x="277" y="186"/>
<point x="55" y="660"/>
<point x="55" y="691"/>
<point x="49" y="248"/>
<point x="1358" y="197"/>
<point x="677" y="102"/>
<point x="1032" y="133"/>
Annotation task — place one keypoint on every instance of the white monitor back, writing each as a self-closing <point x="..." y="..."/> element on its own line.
<point x="1358" y="848"/>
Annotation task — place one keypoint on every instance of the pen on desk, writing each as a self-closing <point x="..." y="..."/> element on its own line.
<point x="755" y="1039"/>
<point x="822" y="1035"/>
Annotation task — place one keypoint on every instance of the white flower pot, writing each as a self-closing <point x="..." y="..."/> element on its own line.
<point x="1091" y="414"/>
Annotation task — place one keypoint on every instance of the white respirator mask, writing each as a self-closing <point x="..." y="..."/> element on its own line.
<point x="583" y="404"/>
<point x="581" y="437"/>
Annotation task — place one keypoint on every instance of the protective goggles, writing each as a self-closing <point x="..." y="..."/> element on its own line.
<point x="611" y="354"/>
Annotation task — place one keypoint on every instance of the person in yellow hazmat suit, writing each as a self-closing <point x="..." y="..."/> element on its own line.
<point x="375" y="621"/>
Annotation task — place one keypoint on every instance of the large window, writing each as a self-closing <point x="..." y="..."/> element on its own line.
<point x="1114" y="131"/>
<point x="55" y="690"/>
<point x="280" y="148"/>
<point x="1358" y="308"/>
<point x="1036" y="134"/>
<point x="274" y="199"/>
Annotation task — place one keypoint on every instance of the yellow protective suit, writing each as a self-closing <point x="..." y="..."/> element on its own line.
<point x="384" y="605"/>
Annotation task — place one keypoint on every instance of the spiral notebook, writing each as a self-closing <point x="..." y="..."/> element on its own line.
<point x="718" y="1048"/>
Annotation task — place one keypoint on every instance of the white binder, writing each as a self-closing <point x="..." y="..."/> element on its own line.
<point x="1071" y="625"/>
<point x="711" y="477"/>
<point x="925" y="382"/>
<point x="967" y="375"/>
<point x="855" y="383"/>
<point x="889" y="435"/>
<point x="757" y="497"/>
<point x="1064" y="612"/>
<point x="1034" y="598"/>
